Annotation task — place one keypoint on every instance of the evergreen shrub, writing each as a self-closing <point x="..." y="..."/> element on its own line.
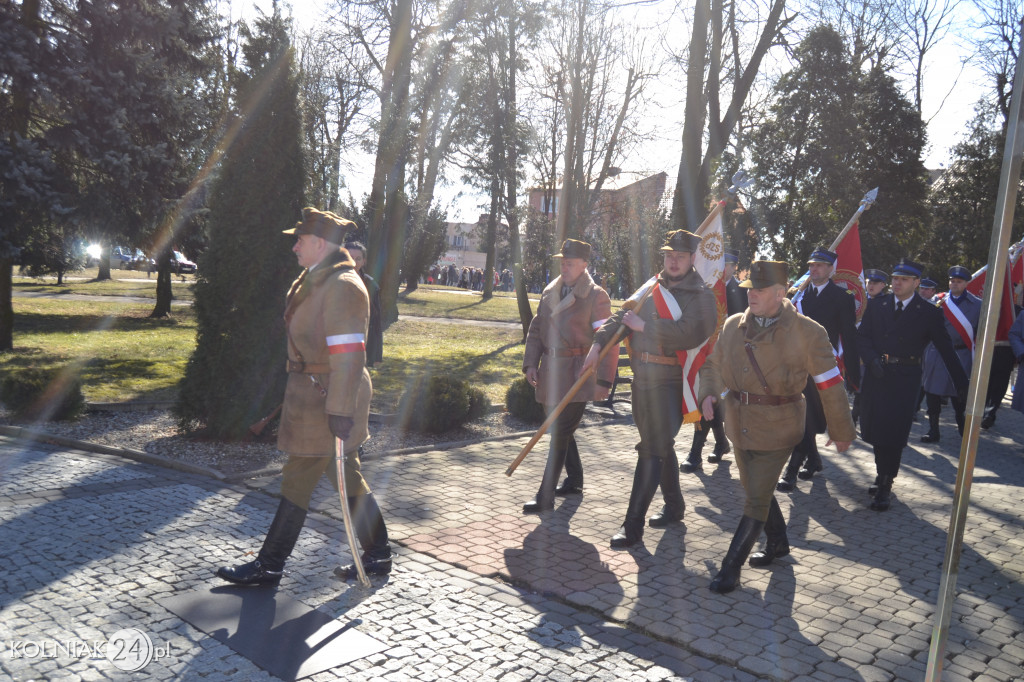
<point x="440" y="404"/>
<point x="43" y="394"/>
<point x="521" y="402"/>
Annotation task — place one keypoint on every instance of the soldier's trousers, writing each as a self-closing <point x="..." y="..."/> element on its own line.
<point x="563" y="442"/>
<point x="658" y="413"/>
<point x="300" y="475"/>
<point x="759" y="472"/>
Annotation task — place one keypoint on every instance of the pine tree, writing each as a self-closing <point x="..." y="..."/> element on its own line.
<point x="831" y="135"/>
<point x="236" y="374"/>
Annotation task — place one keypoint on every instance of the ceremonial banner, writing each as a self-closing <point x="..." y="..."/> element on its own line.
<point x="1014" y="278"/>
<point x="849" y="271"/>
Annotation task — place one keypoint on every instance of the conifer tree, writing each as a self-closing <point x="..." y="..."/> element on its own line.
<point x="236" y="374"/>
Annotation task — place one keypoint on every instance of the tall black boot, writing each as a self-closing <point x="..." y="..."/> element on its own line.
<point x="545" y="499"/>
<point x="787" y="483"/>
<point x="694" y="459"/>
<point x="372" y="534"/>
<point x="277" y="547"/>
<point x="645" y="484"/>
<point x="672" y="511"/>
<point x="722" y="446"/>
<point x="777" y="544"/>
<point x="883" y="498"/>
<point x="742" y="542"/>
<point x="573" y="483"/>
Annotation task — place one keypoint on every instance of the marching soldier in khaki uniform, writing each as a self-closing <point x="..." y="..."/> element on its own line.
<point x="763" y="358"/>
<point x="327" y="396"/>
<point x="571" y="308"/>
<point x="667" y="335"/>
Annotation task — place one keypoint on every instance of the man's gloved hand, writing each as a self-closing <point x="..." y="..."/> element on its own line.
<point x="877" y="369"/>
<point x="340" y="426"/>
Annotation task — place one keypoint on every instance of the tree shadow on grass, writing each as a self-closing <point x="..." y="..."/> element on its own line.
<point x="49" y="323"/>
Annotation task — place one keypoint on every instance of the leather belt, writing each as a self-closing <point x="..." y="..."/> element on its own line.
<point x="658" y="359"/>
<point x="567" y="352"/>
<point x="308" y="367"/>
<point x="894" y="360"/>
<point x="744" y="398"/>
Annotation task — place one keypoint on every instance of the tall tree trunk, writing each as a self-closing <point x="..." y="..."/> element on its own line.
<point x="164" y="294"/>
<point x="491" y="237"/>
<point x="564" y="219"/>
<point x="19" y="124"/>
<point x="387" y="204"/>
<point x="688" y="196"/>
<point x="512" y="180"/>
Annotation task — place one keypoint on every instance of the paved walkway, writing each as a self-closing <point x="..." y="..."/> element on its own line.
<point x="91" y="543"/>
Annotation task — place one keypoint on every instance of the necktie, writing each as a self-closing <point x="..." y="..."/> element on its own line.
<point x="812" y="293"/>
<point x="564" y="292"/>
<point x="899" y="308"/>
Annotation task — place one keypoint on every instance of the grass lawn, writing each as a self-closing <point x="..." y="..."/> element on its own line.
<point x="121" y="283"/>
<point x="461" y="304"/>
<point x="124" y="355"/>
<point x="120" y="352"/>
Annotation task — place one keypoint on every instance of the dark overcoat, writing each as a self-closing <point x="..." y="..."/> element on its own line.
<point x="1016" y="338"/>
<point x="735" y="297"/>
<point x="889" y="402"/>
<point x="935" y="378"/>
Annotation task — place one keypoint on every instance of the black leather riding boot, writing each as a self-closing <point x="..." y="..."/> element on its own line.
<point x="722" y="446"/>
<point x="674" y="507"/>
<point x="368" y="523"/>
<point x="645" y="483"/>
<point x="545" y="499"/>
<point x="268" y="567"/>
<point x="777" y="544"/>
<point x="742" y="542"/>
<point x="694" y="458"/>
<point x="787" y="483"/>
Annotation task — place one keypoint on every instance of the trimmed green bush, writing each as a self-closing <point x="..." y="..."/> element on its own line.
<point x="43" y="394"/>
<point x="440" y="404"/>
<point x="521" y="402"/>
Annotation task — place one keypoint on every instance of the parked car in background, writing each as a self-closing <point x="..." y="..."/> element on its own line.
<point x="120" y="257"/>
<point x="180" y="264"/>
<point x="140" y="261"/>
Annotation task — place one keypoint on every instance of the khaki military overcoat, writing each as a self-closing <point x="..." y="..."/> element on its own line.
<point x="787" y="352"/>
<point x="564" y="326"/>
<point x="327" y="314"/>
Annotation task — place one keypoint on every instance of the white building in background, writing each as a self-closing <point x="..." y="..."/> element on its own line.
<point x="464" y="245"/>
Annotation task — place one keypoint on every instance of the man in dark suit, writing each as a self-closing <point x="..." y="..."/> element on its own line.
<point x="834" y="308"/>
<point x="735" y="302"/>
<point x="892" y="337"/>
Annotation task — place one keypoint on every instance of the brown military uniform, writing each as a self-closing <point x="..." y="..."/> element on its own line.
<point x="327" y="317"/>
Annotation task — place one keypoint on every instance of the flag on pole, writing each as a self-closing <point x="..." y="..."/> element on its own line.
<point x="709" y="261"/>
<point x="849" y="269"/>
<point x="1014" y="278"/>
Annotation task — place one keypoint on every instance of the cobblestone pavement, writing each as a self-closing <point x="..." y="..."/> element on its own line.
<point x="91" y="543"/>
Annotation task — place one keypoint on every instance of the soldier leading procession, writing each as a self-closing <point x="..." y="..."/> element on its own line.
<point x="776" y="375"/>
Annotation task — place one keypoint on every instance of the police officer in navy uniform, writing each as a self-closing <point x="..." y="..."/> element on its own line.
<point x="835" y="309"/>
<point x="735" y="302"/>
<point x="935" y="380"/>
<point x="926" y="289"/>
<point x="876" y="283"/>
<point x="892" y="337"/>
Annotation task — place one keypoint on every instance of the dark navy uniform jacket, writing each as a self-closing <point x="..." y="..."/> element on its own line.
<point x="889" y="402"/>
<point x="735" y="297"/>
<point x="836" y="311"/>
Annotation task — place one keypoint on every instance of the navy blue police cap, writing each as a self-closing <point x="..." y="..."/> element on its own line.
<point x="960" y="271"/>
<point x="907" y="268"/>
<point x="928" y="283"/>
<point x="873" y="275"/>
<point x="822" y="255"/>
<point x="731" y="255"/>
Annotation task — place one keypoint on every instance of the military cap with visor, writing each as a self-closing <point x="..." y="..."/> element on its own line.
<point x="731" y="255"/>
<point x="681" y="240"/>
<point x="822" y="255"/>
<point x="765" y="273"/>
<point x="574" y="248"/>
<point x="928" y="283"/>
<point x="323" y="224"/>
<point x="873" y="275"/>
<point x="960" y="272"/>
<point x="907" y="268"/>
